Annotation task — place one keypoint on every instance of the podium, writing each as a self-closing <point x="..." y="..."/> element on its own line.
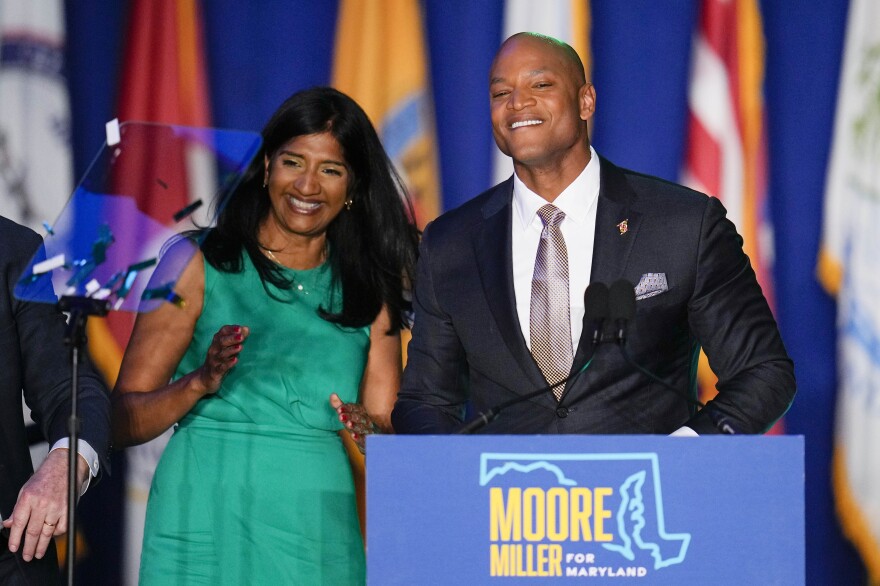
<point x="488" y="509"/>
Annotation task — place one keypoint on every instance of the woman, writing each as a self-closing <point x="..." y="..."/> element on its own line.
<point x="296" y="294"/>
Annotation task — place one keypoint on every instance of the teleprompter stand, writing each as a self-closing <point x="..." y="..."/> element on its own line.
<point x="79" y="308"/>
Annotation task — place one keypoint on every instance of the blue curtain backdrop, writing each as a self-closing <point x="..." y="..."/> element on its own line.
<point x="259" y="52"/>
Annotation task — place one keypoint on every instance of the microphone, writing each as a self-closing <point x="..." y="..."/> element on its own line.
<point x="595" y="313"/>
<point x="621" y="309"/>
<point x="596" y="310"/>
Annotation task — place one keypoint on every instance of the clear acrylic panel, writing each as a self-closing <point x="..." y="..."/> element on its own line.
<point x="152" y="188"/>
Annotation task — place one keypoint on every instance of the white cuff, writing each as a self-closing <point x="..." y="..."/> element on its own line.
<point x="88" y="453"/>
<point x="684" y="431"/>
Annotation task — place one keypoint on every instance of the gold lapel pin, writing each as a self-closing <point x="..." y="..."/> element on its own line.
<point x="623" y="227"/>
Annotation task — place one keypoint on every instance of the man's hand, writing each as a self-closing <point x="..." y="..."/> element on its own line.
<point x="41" y="510"/>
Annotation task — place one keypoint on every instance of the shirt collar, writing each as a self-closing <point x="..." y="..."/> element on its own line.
<point x="575" y="200"/>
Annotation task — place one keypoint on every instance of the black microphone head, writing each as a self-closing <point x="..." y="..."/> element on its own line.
<point x="621" y="300"/>
<point x="595" y="310"/>
<point x="596" y="302"/>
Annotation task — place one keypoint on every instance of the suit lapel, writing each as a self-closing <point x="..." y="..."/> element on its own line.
<point x="617" y="226"/>
<point x="492" y="250"/>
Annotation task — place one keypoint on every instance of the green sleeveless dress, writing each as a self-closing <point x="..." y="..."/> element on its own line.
<point x="255" y="486"/>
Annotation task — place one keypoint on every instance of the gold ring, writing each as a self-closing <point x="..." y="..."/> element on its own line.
<point x="49" y="524"/>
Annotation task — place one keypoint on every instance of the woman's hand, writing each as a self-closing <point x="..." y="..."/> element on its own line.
<point x="355" y="419"/>
<point x="147" y="399"/>
<point x="222" y="356"/>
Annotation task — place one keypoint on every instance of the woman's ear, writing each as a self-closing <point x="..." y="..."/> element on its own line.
<point x="265" y="170"/>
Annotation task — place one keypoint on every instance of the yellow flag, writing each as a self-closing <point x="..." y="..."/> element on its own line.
<point x="381" y="62"/>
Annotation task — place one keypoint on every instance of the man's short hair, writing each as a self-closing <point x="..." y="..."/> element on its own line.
<point x="566" y="49"/>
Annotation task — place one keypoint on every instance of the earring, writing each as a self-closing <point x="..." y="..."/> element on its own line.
<point x="348" y="203"/>
<point x="265" y="183"/>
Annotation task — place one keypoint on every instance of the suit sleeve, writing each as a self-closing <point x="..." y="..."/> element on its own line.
<point x="46" y="376"/>
<point x="433" y="393"/>
<point x="731" y="319"/>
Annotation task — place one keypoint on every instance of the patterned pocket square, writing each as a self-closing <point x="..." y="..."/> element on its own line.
<point x="651" y="285"/>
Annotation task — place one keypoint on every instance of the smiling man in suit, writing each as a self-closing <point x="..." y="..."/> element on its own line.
<point x="500" y="284"/>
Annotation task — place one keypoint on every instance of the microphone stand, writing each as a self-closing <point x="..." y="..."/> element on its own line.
<point x="695" y="402"/>
<point x="622" y="308"/>
<point x="718" y="419"/>
<point x="485" y="418"/>
<point x="595" y="313"/>
<point x="80" y="308"/>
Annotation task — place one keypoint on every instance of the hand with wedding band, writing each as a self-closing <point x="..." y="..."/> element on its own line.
<point x="41" y="510"/>
<point x="355" y="419"/>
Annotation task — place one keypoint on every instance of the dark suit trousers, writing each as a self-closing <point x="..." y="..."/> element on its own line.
<point x="14" y="571"/>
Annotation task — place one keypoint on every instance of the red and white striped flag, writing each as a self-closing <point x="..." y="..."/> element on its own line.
<point x="726" y="150"/>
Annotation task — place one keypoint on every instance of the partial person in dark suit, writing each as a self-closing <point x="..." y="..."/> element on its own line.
<point x="34" y="361"/>
<point x="480" y="333"/>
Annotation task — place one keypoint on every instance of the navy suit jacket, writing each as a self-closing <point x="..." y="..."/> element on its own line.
<point x="34" y="360"/>
<point x="468" y="347"/>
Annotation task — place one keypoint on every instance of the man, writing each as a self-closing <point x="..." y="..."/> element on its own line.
<point x="501" y="280"/>
<point x="35" y="360"/>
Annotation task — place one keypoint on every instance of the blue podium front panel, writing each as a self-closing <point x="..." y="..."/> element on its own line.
<point x="604" y="509"/>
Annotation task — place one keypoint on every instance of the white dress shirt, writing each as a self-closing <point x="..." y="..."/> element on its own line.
<point x="579" y="202"/>
<point x="87" y="452"/>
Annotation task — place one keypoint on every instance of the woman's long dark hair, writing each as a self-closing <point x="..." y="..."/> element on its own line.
<point x="373" y="245"/>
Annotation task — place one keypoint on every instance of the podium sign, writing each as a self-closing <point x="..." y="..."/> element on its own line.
<point x="608" y="509"/>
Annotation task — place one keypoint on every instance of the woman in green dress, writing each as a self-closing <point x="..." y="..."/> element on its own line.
<point x="290" y="331"/>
